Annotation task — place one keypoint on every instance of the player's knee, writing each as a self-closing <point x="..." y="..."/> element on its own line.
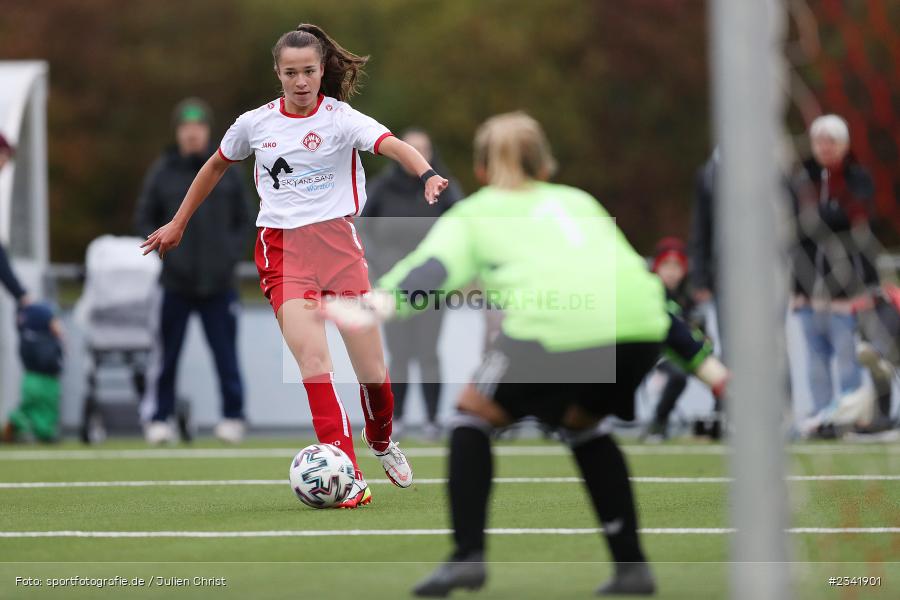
<point x="473" y="421"/>
<point x="314" y="364"/>
<point x="577" y="418"/>
<point x="580" y="427"/>
<point x="472" y="402"/>
<point x="372" y="374"/>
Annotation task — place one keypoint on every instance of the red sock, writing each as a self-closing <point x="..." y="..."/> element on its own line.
<point x="329" y="417"/>
<point x="378" y="409"/>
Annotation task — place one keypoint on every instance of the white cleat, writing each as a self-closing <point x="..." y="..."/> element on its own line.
<point x="360" y="494"/>
<point x="159" y="432"/>
<point x="231" y="431"/>
<point x="394" y="462"/>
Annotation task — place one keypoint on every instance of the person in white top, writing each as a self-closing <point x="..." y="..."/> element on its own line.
<point x="311" y="184"/>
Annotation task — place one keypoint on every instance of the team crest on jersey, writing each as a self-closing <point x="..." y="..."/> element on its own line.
<point x="312" y="141"/>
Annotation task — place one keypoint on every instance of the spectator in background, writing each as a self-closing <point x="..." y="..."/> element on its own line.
<point x="399" y="222"/>
<point x="7" y="277"/>
<point x="9" y="280"/>
<point x="40" y="348"/>
<point x="670" y="263"/>
<point x="702" y="250"/>
<point x="40" y="351"/>
<point x="833" y="259"/>
<point x="702" y="243"/>
<point x="198" y="276"/>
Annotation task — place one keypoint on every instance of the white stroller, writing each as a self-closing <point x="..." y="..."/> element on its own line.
<point x="118" y="312"/>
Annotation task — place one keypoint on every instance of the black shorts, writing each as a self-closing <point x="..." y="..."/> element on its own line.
<point x="527" y="380"/>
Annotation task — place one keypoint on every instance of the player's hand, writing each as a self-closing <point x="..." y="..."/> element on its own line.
<point x="433" y="188"/>
<point x="359" y="313"/>
<point x="163" y="239"/>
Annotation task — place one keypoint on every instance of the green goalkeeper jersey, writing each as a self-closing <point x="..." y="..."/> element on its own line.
<point x="549" y="256"/>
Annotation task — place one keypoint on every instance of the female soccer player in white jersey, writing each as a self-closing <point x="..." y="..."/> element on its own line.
<point x="311" y="184"/>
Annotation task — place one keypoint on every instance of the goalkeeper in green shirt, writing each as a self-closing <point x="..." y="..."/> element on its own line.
<point x="584" y="321"/>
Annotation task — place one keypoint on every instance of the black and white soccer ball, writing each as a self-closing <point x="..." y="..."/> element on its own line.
<point x="321" y="475"/>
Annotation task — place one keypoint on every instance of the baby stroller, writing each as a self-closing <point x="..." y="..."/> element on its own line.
<point x="118" y="313"/>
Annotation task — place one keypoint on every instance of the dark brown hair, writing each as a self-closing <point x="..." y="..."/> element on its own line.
<point x="342" y="68"/>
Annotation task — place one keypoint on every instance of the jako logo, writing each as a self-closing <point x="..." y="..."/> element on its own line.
<point x="269" y="144"/>
<point x="312" y="141"/>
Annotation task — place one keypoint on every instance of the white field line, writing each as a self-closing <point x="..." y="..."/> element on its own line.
<point x="433" y="481"/>
<point x="415" y="532"/>
<point x="661" y="450"/>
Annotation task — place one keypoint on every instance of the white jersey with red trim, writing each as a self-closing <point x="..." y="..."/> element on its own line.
<point x="307" y="169"/>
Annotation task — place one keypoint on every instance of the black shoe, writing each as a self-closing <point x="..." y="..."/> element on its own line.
<point x="825" y="432"/>
<point x="711" y="427"/>
<point x="469" y="573"/>
<point x="633" y="579"/>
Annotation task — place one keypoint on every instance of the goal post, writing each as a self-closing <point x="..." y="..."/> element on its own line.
<point x="745" y="62"/>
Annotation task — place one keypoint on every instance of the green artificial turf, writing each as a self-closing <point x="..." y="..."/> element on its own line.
<point x="375" y="567"/>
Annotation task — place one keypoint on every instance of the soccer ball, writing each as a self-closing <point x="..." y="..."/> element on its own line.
<point x="321" y="475"/>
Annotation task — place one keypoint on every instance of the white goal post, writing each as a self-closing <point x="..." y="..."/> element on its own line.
<point x="746" y="60"/>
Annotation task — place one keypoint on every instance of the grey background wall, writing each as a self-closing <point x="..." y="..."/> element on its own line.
<point x="276" y="399"/>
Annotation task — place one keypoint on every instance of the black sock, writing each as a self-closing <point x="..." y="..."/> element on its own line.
<point x="432" y="392"/>
<point x="675" y="385"/>
<point x="471" y="471"/>
<point x="883" y="389"/>
<point x="606" y="477"/>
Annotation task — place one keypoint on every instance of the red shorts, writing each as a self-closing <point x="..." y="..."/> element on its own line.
<point x="311" y="261"/>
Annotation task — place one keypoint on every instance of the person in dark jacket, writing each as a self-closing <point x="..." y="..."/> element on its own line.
<point x="395" y="222"/>
<point x="833" y="258"/>
<point x="198" y="276"/>
<point x="702" y="249"/>
<point x="7" y="277"/>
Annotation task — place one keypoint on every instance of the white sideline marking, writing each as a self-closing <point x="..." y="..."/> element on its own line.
<point x="559" y="450"/>
<point x="412" y="532"/>
<point x="433" y="481"/>
<point x="167" y="453"/>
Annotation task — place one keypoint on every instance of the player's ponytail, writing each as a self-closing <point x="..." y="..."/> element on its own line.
<point x="513" y="150"/>
<point x="343" y="69"/>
